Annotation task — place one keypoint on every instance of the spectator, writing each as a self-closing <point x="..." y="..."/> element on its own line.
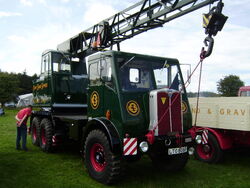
<point x="22" y="118"/>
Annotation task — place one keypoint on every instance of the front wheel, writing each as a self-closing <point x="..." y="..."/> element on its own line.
<point x="102" y="164"/>
<point x="210" y="152"/>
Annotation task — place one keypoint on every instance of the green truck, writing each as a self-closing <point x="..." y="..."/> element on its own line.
<point x="117" y="105"/>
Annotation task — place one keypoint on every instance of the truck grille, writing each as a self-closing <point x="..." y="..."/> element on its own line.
<point x="165" y="112"/>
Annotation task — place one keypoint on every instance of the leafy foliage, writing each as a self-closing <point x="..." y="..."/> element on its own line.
<point x="202" y="94"/>
<point x="229" y="85"/>
<point x="12" y="85"/>
<point x="25" y="83"/>
<point x="8" y="87"/>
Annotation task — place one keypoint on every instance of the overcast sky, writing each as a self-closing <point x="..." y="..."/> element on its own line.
<point x="28" y="27"/>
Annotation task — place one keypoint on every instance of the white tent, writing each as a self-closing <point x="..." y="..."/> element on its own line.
<point x="25" y="100"/>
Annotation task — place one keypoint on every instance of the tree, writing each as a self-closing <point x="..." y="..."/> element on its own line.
<point x="25" y="84"/>
<point x="202" y="94"/>
<point x="229" y="85"/>
<point x="8" y="87"/>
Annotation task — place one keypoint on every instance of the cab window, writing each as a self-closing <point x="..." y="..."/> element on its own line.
<point x="135" y="74"/>
<point x="45" y="66"/>
<point x="94" y="73"/>
<point x="61" y="63"/>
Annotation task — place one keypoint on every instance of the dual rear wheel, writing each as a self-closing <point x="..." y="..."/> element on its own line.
<point x="41" y="133"/>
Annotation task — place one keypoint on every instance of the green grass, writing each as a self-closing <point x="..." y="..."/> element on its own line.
<point x="65" y="169"/>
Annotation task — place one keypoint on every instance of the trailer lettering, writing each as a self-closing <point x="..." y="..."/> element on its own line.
<point x="229" y="112"/>
<point x="242" y="112"/>
<point x="222" y="111"/>
<point x="194" y="110"/>
<point x="236" y="112"/>
<point x="209" y="111"/>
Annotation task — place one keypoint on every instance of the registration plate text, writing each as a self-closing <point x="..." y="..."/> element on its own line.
<point x="175" y="151"/>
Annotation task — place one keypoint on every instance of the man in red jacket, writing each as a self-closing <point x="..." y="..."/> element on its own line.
<point x="22" y="118"/>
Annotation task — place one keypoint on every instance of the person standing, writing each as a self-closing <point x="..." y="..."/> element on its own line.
<point x="22" y="118"/>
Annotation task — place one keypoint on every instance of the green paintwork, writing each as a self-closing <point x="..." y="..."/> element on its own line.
<point x="115" y="98"/>
<point x="64" y="87"/>
<point x="42" y="92"/>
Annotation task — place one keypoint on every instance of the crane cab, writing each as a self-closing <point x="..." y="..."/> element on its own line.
<point x="62" y="82"/>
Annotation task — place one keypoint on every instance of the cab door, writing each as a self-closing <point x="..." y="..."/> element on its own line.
<point x="102" y="96"/>
<point x="42" y="86"/>
<point x="95" y="90"/>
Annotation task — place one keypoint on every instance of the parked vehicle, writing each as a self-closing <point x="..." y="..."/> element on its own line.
<point x="118" y="109"/>
<point x="224" y="123"/>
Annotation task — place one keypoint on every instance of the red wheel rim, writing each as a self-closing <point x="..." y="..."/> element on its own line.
<point x="34" y="135"/>
<point x="205" y="151"/>
<point x="43" y="136"/>
<point x="97" y="157"/>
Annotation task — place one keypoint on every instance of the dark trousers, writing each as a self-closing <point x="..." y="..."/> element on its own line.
<point x="21" y="135"/>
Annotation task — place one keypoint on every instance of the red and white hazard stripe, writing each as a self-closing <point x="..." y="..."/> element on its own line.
<point x="129" y="146"/>
<point x="204" y="139"/>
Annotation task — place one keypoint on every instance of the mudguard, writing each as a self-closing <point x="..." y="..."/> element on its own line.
<point x="223" y="140"/>
<point x="108" y="127"/>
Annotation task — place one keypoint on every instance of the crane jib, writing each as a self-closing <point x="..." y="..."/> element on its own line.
<point x="138" y="18"/>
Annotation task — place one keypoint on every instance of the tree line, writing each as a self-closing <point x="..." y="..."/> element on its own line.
<point x="13" y="85"/>
<point x="226" y="87"/>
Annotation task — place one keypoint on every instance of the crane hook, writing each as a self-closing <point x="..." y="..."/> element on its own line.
<point x="209" y="42"/>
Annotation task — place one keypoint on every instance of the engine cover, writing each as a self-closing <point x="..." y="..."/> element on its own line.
<point x="165" y="112"/>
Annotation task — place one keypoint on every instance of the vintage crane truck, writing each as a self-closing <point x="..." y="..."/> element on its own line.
<point x="118" y="105"/>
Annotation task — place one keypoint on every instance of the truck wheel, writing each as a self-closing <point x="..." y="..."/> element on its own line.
<point x="169" y="163"/>
<point x="46" y="135"/>
<point x="101" y="163"/>
<point x="35" y="131"/>
<point x="210" y="152"/>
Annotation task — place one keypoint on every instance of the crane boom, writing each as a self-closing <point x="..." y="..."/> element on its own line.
<point x="136" y="19"/>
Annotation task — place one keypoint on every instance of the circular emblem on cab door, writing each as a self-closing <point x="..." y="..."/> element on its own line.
<point x="133" y="108"/>
<point x="94" y="100"/>
<point x="184" y="107"/>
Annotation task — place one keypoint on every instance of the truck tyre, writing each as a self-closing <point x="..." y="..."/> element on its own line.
<point x="169" y="163"/>
<point x="102" y="165"/>
<point x="46" y="135"/>
<point x="210" y="152"/>
<point x="35" y="131"/>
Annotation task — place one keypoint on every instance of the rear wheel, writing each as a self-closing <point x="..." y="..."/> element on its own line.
<point x="46" y="135"/>
<point x="169" y="163"/>
<point x="35" y="131"/>
<point x="102" y="164"/>
<point x="210" y="152"/>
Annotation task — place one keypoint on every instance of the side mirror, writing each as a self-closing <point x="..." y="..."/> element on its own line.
<point x="188" y="71"/>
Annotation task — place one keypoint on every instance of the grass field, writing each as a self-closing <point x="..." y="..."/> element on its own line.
<point x="65" y="169"/>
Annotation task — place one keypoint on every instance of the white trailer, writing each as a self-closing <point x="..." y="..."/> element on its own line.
<point x="225" y="123"/>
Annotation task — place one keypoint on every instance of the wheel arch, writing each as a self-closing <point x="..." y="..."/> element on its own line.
<point x="41" y="115"/>
<point x="108" y="128"/>
<point x="224" y="141"/>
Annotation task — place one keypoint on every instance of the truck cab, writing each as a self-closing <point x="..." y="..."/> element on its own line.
<point x="244" y="91"/>
<point x="124" y="85"/>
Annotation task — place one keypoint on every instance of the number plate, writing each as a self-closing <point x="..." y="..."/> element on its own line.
<point x="174" y="151"/>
